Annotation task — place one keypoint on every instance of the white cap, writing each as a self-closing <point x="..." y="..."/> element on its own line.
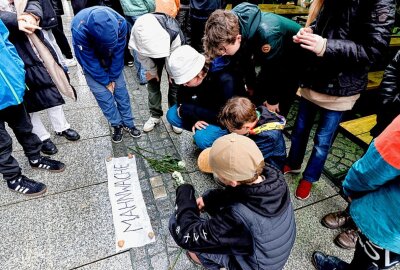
<point x="185" y="63"/>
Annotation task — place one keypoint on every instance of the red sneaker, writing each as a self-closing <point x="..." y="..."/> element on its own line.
<point x="303" y="190"/>
<point x="288" y="169"/>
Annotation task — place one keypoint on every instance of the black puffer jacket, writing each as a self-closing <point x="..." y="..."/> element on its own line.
<point x="41" y="91"/>
<point x="254" y="223"/>
<point x="388" y="96"/>
<point x="358" y="33"/>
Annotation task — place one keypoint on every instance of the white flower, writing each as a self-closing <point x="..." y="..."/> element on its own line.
<point x="178" y="178"/>
<point x="182" y="164"/>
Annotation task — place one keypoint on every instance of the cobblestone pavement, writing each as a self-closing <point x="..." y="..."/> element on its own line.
<point x="70" y="227"/>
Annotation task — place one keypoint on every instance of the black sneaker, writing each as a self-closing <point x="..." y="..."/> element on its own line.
<point x="26" y="186"/>
<point x="117" y="134"/>
<point x="48" y="147"/>
<point x="134" y="132"/>
<point x="46" y="163"/>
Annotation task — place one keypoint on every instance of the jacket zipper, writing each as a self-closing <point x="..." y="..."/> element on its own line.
<point x="11" y="88"/>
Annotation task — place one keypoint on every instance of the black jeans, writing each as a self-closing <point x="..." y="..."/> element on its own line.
<point x="369" y="256"/>
<point x="61" y="39"/>
<point x="18" y="120"/>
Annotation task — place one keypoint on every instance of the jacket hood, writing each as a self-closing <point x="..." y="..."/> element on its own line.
<point x="266" y="116"/>
<point x="149" y="38"/>
<point x="103" y="27"/>
<point x="249" y="18"/>
<point x="268" y="198"/>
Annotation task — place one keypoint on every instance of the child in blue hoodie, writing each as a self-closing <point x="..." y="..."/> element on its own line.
<point x="99" y="38"/>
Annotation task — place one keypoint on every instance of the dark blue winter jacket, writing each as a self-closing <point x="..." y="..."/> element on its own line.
<point x="99" y="38"/>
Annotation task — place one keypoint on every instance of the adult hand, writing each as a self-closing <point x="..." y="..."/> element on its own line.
<point x="170" y="79"/>
<point x="200" y="203"/>
<point x="150" y="76"/>
<point x="199" y="125"/>
<point x="272" y="108"/>
<point x="26" y="26"/>
<point x="301" y="32"/>
<point x="29" y="18"/>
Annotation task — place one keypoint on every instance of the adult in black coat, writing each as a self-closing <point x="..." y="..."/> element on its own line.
<point x="388" y="96"/>
<point x="42" y="92"/>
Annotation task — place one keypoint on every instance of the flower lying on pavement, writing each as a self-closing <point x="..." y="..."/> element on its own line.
<point x="164" y="164"/>
<point x="182" y="164"/>
<point x="177" y="176"/>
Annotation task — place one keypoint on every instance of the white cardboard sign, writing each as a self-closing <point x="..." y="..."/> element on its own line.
<point x="131" y="221"/>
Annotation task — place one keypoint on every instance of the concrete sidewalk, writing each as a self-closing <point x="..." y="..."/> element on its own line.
<point x="71" y="226"/>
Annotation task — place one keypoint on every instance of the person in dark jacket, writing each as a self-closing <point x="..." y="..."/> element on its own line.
<point x="251" y="224"/>
<point x="12" y="112"/>
<point x="269" y="38"/>
<point x="199" y="12"/>
<point x="203" y="93"/>
<point x="339" y="51"/>
<point x="240" y="115"/>
<point x="43" y="93"/>
<point x="388" y="103"/>
<point x="59" y="34"/>
<point x="78" y="5"/>
<point x="99" y="37"/>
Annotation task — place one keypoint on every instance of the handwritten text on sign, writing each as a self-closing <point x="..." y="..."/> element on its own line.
<point x="131" y="221"/>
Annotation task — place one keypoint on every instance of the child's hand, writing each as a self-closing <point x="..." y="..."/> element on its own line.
<point x="199" y="125"/>
<point x="200" y="203"/>
<point x="150" y="76"/>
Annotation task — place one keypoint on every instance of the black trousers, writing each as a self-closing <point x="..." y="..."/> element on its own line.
<point x="368" y="256"/>
<point x="61" y="39"/>
<point x="18" y="120"/>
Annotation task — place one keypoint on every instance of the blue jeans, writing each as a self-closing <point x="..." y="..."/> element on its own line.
<point x="141" y="71"/>
<point x="203" y="138"/>
<point x="115" y="107"/>
<point x="217" y="261"/>
<point x="323" y="139"/>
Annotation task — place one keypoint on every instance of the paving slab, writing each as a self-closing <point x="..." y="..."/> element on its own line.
<point x="88" y="122"/>
<point x="61" y="231"/>
<point x="121" y="261"/>
<point x="85" y="166"/>
<point x="312" y="236"/>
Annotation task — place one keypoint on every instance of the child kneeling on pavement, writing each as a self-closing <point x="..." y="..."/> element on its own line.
<point x="249" y="221"/>
<point x="264" y="127"/>
<point x="206" y="88"/>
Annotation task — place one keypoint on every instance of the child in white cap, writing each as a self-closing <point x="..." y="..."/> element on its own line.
<point x="202" y="95"/>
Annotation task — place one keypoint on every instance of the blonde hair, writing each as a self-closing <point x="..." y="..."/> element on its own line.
<point x="236" y="112"/>
<point x="315" y="8"/>
<point x="221" y="27"/>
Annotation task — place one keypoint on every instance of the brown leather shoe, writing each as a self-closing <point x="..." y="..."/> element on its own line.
<point x="336" y="220"/>
<point x="347" y="239"/>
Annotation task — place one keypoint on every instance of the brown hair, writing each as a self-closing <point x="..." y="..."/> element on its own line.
<point x="314" y="11"/>
<point x="236" y="112"/>
<point x="221" y="27"/>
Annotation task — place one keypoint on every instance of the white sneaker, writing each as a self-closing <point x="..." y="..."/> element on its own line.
<point x="70" y="62"/>
<point x="177" y="130"/>
<point x="150" y="124"/>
